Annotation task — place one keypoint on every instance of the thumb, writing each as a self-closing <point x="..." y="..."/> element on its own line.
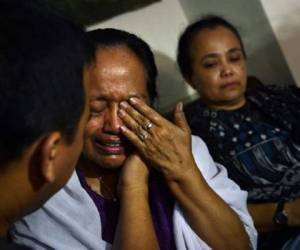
<point x="179" y="117"/>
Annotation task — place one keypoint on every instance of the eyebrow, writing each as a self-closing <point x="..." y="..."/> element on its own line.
<point x="214" y="55"/>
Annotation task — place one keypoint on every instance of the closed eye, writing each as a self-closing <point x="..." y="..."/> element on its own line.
<point x="97" y="107"/>
<point x="210" y="64"/>
<point x="235" y="58"/>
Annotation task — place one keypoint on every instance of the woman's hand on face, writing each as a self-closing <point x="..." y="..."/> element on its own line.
<point x="165" y="145"/>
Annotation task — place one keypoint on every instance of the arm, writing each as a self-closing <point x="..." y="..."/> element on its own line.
<point x="263" y="215"/>
<point x="167" y="147"/>
<point x="208" y="214"/>
<point x="227" y="205"/>
<point x="135" y="229"/>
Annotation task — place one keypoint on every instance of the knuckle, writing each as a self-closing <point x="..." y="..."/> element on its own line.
<point x="156" y="119"/>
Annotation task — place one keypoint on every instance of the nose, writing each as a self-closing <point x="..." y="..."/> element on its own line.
<point x="112" y="120"/>
<point x="227" y="70"/>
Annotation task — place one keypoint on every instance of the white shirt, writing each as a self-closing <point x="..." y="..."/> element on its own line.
<point x="70" y="219"/>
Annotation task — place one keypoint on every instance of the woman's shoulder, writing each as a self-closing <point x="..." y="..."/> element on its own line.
<point x="256" y="87"/>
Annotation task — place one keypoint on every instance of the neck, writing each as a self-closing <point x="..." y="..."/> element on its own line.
<point x="102" y="181"/>
<point x="4" y="226"/>
<point x="11" y="200"/>
<point x="228" y="106"/>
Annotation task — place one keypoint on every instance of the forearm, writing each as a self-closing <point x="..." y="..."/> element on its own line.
<point x="135" y="228"/>
<point x="263" y="215"/>
<point x="209" y="216"/>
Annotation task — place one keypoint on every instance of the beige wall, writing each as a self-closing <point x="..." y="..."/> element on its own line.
<point x="265" y="57"/>
<point x="284" y="17"/>
<point x="160" y="24"/>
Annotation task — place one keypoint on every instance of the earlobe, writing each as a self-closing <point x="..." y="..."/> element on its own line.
<point x="50" y="150"/>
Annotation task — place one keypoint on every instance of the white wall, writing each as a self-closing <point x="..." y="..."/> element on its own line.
<point x="159" y="25"/>
<point x="284" y="17"/>
<point x="264" y="57"/>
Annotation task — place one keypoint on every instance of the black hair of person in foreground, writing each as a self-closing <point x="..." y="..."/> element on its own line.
<point x="43" y="106"/>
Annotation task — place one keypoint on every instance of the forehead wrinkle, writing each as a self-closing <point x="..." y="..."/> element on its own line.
<point x="114" y="91"/>
<point x="115" y="96"/>
<point x="117" y="75"/>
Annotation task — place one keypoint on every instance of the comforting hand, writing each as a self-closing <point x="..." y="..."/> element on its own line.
<point x="165" y="145"/>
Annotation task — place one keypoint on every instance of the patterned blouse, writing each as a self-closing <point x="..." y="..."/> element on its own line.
<point x="258" y="143"/>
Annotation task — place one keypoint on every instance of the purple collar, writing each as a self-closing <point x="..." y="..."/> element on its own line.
<point x="161" y="204"/>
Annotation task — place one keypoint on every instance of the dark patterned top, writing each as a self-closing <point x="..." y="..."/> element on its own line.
<point x="258" y="143"/>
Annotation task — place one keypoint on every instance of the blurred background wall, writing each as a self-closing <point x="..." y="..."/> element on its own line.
<point x="270" y="30"/>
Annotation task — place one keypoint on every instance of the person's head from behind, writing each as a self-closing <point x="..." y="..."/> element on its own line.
<point x="42" y="99"/>
<point x="212" y="59"/>
<point x="124" y="67"/>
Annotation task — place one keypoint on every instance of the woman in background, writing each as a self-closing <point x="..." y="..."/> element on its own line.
<point x="250" y="128"/>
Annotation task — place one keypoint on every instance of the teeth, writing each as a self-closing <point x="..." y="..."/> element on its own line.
<point x="112" y="144"/>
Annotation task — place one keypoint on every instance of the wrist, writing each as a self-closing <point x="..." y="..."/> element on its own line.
<point x="183" y="175"/>
<point x="292" y="209"/>
<point x="280" y="217"/>
<point x="134" y="191"/>
<point x="180" y="171"/>
<point x="190" y="179"/>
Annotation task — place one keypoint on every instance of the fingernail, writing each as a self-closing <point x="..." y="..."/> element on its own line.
<point x="133" y="100"/>
<point x="180" y="106"/>
<point x="123" y="104"/>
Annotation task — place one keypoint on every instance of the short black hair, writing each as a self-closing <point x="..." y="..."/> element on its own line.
<point x="114" y="37"/>
<point x="184" y="58"/>
<point x="42" y="57"/>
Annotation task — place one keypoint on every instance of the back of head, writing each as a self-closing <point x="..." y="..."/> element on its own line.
<point x="42" y="56"/>
<point x="184" y="59"/>
<point x="113" y="37"/>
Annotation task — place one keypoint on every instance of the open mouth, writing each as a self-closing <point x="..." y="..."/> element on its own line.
<point x="109" y="147"/>
<point x="110" y="144"/>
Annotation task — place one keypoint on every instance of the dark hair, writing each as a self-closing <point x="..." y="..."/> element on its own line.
<point x="114" y="37"/>
<point x="185" y="41"/>
<point x="42" y="56"/>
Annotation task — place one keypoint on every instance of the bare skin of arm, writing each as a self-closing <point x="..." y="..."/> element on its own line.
<point x="263" y="214"/>
<point x="135" y="228"/>
<point x="168" y="149"/>
<point x="207" y="213"/>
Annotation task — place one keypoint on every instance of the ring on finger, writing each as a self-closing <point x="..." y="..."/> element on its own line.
<point x="143" y="135"/>
<point x="148" y="125"/>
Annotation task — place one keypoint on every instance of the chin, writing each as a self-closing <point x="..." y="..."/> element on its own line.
<point x="111" y="161"/>
<point x="233" y="96"/>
